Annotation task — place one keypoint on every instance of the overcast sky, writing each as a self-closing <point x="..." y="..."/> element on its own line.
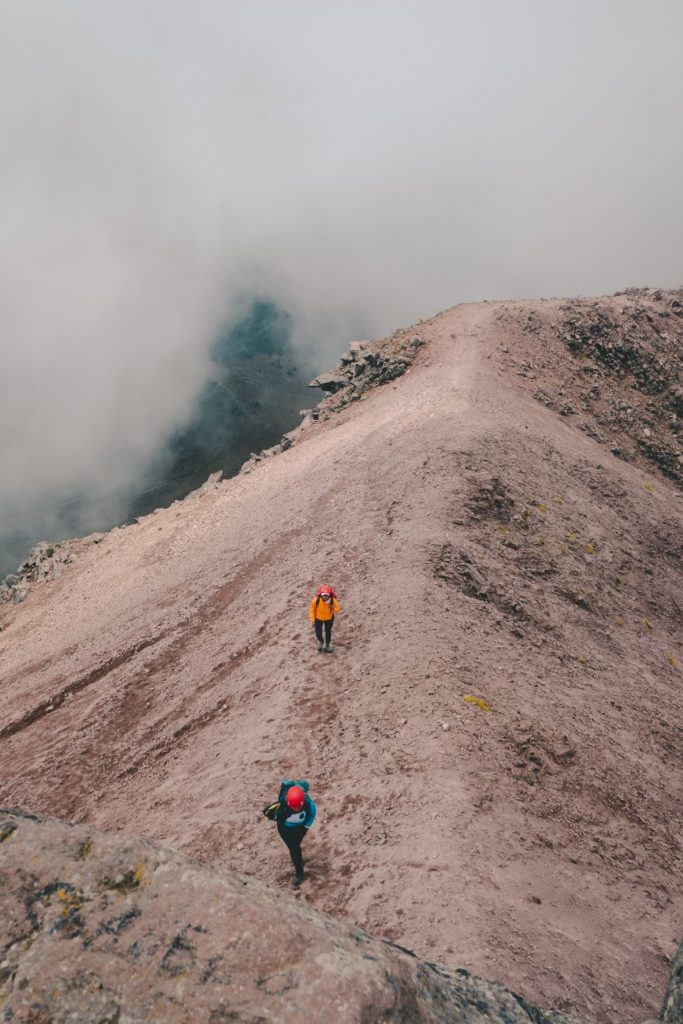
<point x="365" y="164"/>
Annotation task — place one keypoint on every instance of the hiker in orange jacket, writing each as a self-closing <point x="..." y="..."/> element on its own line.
<point x="324" y="607"/>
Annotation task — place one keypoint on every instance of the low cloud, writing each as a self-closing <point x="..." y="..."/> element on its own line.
<point x="363" y="165"/>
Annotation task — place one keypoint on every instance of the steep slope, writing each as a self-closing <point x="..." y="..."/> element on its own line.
<point x="482" y="546"/>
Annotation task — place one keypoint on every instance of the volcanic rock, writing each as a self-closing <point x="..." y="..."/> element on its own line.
<point x="329" y="382"/>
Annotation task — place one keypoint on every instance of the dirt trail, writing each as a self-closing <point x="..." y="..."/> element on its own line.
<point x="481" y="545"/>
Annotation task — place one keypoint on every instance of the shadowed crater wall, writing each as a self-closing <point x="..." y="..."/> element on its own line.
<point x="255" y="392"/>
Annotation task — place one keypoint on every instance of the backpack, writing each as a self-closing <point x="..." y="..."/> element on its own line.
<point x="272" y="810"/>
<point x="288" y="783"/>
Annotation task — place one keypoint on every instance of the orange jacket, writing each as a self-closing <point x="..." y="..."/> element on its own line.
<point x="324" y="611"/>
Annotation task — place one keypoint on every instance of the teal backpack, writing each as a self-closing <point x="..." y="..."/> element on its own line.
<point x="272" y="809"/>
<point x="288" y="783"/>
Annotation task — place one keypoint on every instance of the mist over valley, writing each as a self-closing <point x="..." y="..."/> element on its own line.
<point x="254" y="394"/>
<point x="360" y="168"/>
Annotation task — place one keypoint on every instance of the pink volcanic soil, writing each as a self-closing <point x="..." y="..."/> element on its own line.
<point x="538" y="843"/>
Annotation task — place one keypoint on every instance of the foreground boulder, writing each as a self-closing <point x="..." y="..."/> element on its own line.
<point x="98" y="927"/>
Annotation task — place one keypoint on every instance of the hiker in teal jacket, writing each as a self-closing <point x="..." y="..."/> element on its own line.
<point x="294" y="813"/>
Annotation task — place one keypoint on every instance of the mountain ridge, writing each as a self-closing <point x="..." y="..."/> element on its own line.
<point x="482" y="546"/>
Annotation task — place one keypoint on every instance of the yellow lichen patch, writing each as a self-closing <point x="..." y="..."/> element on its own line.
<point x="618" y="582"/>
<point x="647" y="487"/>
<point x="479" y="701"/>
<point x="590" y="549"/>
<point x="581" y="660"/>
<point x="672" y="661"/>
<point x="559" y="501"/>
<point x="542" y="507"/>
<point x="134" y="878"/>
<point x="62" y="894"/>
<point x="648" y="625"/>
<point x="140" y="874"/>
<point x="619" y="620"/>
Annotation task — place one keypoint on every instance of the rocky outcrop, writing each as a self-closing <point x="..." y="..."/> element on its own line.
<point x="45" y="562"/>
<point x="625" y="386"/>
<point x="365" y="365"/>
<point x="331" y="382"/>
<point x="99" y="927"/>
<point x="209" y="485"/>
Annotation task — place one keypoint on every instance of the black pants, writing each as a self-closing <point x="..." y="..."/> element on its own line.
<point x="292" y="837"/>
<point x="328" y="630"/>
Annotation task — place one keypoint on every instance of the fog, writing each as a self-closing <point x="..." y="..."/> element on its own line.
<point x="361" y="165"/>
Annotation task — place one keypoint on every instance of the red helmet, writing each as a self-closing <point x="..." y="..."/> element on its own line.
<point x="295" y="798"/>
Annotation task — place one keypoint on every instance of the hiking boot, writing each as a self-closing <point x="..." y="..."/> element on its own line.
<point x="320" y="647"/>
<point x="298" y="879"/>
<point x="329" y="649"/>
